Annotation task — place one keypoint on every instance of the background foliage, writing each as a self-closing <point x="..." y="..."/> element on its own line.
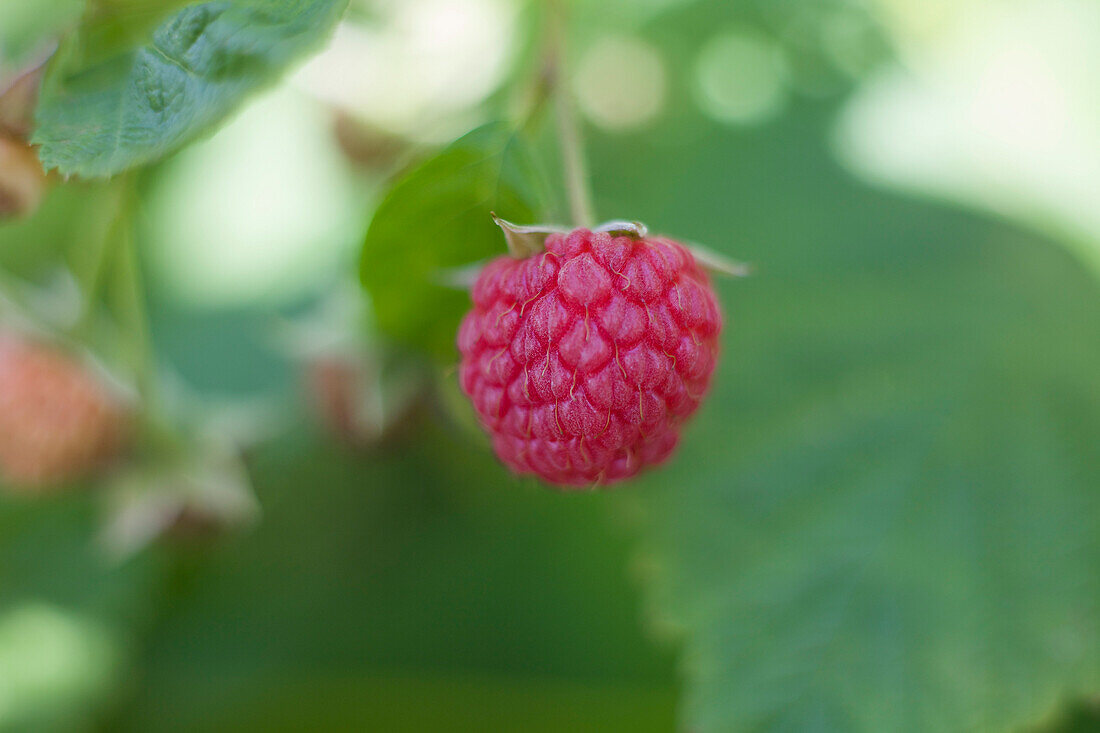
<point x="884" y="518"/>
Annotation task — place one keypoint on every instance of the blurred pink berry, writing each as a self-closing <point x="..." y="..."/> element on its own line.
<point x="584" y="361"/>
<point x="58" y="420"/>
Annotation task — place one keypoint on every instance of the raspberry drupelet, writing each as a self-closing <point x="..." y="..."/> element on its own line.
<point x="584" y="361"/>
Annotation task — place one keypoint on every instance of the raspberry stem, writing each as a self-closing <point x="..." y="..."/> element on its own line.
<point x="570" y="139"/>
<point x="112" y="278"/>
<point x="132" y="311"/>
<point x="101" y="247"/>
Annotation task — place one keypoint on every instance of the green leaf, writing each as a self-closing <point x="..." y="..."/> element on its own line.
<point x="437" y="217"/>
<point x="886" y="517"/>
<point x="98" y="117"/>
<point x="441" y="579"/>
<point x="396" y="703"/>
<point x="115" y="27"/>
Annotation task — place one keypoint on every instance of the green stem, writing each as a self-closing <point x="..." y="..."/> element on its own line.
<point x="111" y="277"/>
<point x="100" y="248"/>
<point x="132" y="310"/>
<point x="574" y="165"/>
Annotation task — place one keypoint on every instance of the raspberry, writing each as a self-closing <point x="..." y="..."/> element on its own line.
<point x="58" y="421"/>
<point x="584" y="361"/>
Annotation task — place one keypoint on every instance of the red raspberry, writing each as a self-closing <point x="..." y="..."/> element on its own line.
<point x="58" y="422"/>
<point x="584" y="361"/>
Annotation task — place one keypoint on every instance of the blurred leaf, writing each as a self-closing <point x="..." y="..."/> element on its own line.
<point x="1080" y="717"/>
<point x="69" y="618"/>
<point x="886" y="518"/>
<point x="436" y="217"/>
<point x="27" y="29"/>
<point x="403" y="703"/>
<point x="140" y="105"/>
<point x="422" y="573"/>
<point x="112" y="27"/>
<point x="48" y="552"/>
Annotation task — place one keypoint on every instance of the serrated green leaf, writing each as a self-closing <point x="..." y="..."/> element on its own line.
<point x="140" y="105"/>
<point x="437" y="217"/>
<point x="886" y="517"/>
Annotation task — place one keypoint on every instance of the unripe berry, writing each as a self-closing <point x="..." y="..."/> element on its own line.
<point x="333" y="387"/>
<point x="369" y="148"/>
<point x="364" y="400"/>
<point x="584" y="361"/>
<point x="59" y="421"/>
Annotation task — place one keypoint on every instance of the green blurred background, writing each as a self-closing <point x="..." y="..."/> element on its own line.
<point x="885" y="517"/>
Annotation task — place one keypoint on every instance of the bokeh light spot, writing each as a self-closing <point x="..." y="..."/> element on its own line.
<point x="621" y="82"/>
<point x="50" y="659"/>
<point x="264" y="211"/>
<point x="740" y="78"/>
<point x="417" y="67"/>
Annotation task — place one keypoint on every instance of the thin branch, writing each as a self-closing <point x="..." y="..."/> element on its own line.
<point x="574" y="166"/>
